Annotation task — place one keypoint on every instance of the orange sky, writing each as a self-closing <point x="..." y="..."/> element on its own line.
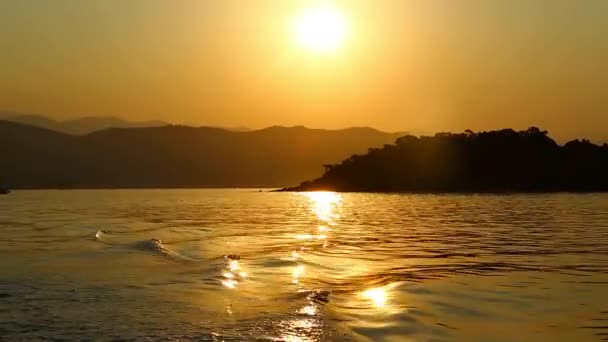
<point x="422" y="65"/>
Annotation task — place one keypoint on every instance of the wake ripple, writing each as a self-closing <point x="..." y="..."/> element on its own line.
<point x="155" y="246"/>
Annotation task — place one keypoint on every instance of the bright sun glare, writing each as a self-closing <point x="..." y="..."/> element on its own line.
<point x="378" y="296"/>
<point x="321" y="29"/>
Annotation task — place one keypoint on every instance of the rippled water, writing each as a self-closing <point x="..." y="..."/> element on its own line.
<point x="246" y="265"/>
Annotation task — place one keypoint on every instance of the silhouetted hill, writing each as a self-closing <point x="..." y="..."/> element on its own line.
<point x="173" y="156"/>
<point x="78" y="126"/>
<point x="496" y="161"/>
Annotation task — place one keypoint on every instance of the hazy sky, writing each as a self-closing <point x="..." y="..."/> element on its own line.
<point x="423" y="65"/>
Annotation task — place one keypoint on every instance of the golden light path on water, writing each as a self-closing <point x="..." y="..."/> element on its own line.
<point x="233" y="271"/>
<point x="324" y="205"/>
<point x="297" y="273"/>
<point x="325" y="213"/>
<point x="326" y="209"/>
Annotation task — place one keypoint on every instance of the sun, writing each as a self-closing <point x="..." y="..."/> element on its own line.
<point x="321" y="29"/>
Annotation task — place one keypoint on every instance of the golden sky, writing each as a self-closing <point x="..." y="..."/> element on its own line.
<point x="422" y="65"/>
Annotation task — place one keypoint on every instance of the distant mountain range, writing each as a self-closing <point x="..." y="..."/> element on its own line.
<point x="169" y="156"/>
<point x="80" y="126"/>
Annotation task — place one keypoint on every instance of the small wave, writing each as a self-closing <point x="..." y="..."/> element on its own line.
<point x="156" y="246"/>
<point x="102" y="237"/>
<point x="153" y="245"/>
<point x="318" y="296"/>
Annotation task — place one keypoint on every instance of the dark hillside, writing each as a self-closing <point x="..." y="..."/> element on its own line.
<point x="173" y="156"/>
<point x="495" y="161"/>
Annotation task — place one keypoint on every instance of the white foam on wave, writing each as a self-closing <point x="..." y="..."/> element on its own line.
<point x="152" y="245"/>
<point x="101" y="237"/>
<point x="157" y="246"/>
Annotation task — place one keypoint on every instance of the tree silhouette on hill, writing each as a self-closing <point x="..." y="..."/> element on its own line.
<point x="495" y="161"/>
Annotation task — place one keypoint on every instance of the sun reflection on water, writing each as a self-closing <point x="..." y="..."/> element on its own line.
<point x="378" y="296"/>
<point x="309" y="310"/>
<point x="229" y="283"/>
<point x="233" y="265"/>
<point x="324" y="204"/>
<point x="297" y="273"/>
<point x="232" y="274"/>
<point x="311" y="237"/>
<point x="300" y="330"/>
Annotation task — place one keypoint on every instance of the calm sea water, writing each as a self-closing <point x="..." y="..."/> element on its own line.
<point x="246" y="265"/>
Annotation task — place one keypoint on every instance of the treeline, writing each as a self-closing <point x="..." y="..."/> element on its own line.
<point x="494" y="161"/>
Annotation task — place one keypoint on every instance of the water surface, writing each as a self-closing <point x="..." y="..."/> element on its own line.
<point x="238" y="265"/>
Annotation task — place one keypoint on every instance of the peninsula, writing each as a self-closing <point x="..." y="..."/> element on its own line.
<point x="495" y="161"/>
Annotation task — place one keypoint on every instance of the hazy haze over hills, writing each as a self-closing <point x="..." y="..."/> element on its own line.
<point x="174" y="156"/>
<point x="78" y="126"/>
